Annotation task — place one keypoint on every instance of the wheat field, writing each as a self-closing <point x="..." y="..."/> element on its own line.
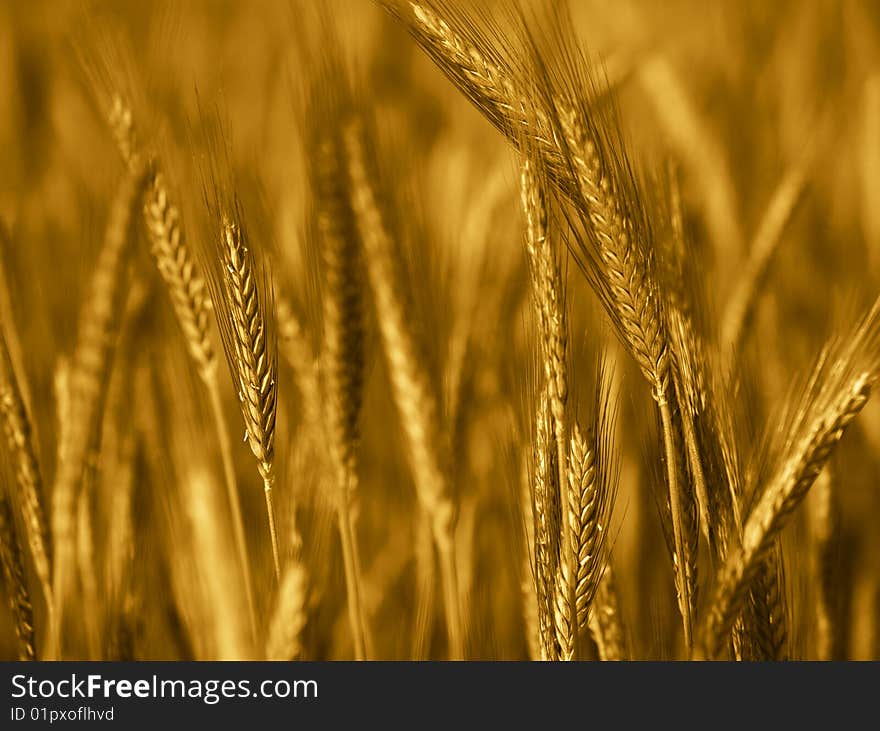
<point x="434" y="329"/>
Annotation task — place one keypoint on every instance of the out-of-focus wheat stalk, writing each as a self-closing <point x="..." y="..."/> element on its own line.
<point x="767" y="237"/>
<point x="288" y="618"/>
<point x="416" y="397"/>
<point x="825" y="541"/>
<point x="343" y="357"/>
<point x="89" y="377"/>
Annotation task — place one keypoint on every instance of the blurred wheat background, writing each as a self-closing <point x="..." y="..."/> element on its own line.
<point x="436" y="329"/>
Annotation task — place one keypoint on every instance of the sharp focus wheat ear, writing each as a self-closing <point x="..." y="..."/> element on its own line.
<point x="591" y="497"/>
<point x="480" y="72"/>
<point x="839" y="389"/>
<point x="416" y="397"/>
<point x="244" y="298"/>
<point x="28" y="479"/>
<point x="12" y="563"/>
<point x="593" y="476"/>
<point x="289" y="617"/>
<point x="189" y="297"/>
<point x="89" y="375"/>
<point x="548" y="295"/>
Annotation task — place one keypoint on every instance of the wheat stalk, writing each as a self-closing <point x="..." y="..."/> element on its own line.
<point x="590" y="504"/>
<point x="343" y="357"/>
<point x="529" y="584"/>
<point x="89" y="376"/>
<point x="741" y="303"/>
<point x="549" y="301"/>
<point x="561" y="133"/>
<point x="192" y="305"/>
<point x="416" y="397"/>
<point x="825" y="532"/>
<point x="288" y="618"/>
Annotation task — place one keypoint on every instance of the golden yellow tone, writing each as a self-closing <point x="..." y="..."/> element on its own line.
<point x="550" y="331"/>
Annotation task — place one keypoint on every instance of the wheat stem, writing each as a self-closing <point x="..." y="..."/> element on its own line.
<point x="680" y="557"/>
<point x="225" y="443"/>
<point x="415" y="396"/>
<point x="351" y="559"/>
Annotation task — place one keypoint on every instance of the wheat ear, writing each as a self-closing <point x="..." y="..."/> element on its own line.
<point x="812" y="446"/>
<point x="825" y="526"/>
<point x="606" y="621"/>
<point x="89" y="375"/>
<point x="765" y="635"/>
<point x="283" y="641"/>
<point x="12" y="563"/>
<point x="415" y="395"/>
<point x="246" y="318"/>
<point x="189" y="298"/>
<point x="561" y="133"/>
<point x="546" y="519"/>
<point x="548" y="295"/>
<point x="343" y="356"/>
<point x="28" y="478"/>
<point x="634" y="303"/>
